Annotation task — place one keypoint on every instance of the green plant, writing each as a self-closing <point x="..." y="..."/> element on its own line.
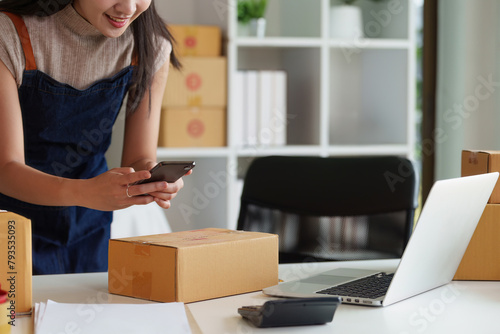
<point x="251" y="9"/>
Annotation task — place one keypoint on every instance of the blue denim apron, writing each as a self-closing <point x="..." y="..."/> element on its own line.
<point x="66" y="133"/>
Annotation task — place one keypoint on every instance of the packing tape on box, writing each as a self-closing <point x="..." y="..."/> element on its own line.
<point x="195" y="101"/>
<point x="142" y="248"/>
<point x="142" y="284"/>
<point x="473" y="158"/>
<point x="142" y="281"/>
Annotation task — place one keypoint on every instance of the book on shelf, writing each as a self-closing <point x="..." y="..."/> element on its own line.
<point x="250" y="125"/>
<point x="260" y="98"/>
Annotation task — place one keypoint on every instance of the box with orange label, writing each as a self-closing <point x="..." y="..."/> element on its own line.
<point x="194" y="265"/>
<point x="193" y="127"/>
<point x="480" y="162"/>
<point x="197" y="40"/>
<point x="200" y="83"/>
<point x="15" y="263"/>
<point x="481" y="260"/>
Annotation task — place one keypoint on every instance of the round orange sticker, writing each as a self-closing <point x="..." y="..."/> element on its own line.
<point x="195" y="128"/>
<point x="193" y="81"/>
<point x="190" y="42"/>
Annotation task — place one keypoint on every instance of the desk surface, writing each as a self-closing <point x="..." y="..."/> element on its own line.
<point x="459" y="307"/>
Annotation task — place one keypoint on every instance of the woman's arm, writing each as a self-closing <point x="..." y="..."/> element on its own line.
<point x="142" y="126"/>
<point x="107" y="191"/>
<point x="141" y="138"/>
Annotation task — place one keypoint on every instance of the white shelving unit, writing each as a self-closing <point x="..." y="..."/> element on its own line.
<point x="344" y="97"/>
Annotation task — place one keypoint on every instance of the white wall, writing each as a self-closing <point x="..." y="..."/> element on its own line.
<point x="468" y="109"/>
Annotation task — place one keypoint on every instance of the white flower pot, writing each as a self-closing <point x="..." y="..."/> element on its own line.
<point x="243" y="29"/>
<point x="346" y="22"/>
<point x="258" y="27"/>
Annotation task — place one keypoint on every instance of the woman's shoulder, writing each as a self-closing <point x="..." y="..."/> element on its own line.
<point x="6" y="24"/>
<point x="11" y="53"/>
<point x="164" y="45"/>
<point x="9" y="37"/>
<point x="165" y="49"/>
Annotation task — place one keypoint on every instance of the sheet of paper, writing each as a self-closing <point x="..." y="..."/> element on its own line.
<point x="154" y="318"/>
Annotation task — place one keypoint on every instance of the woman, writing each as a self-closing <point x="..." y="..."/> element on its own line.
<point x="65" y="68"/>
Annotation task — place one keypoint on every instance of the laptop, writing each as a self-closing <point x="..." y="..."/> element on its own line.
<point x="430" y="259"/>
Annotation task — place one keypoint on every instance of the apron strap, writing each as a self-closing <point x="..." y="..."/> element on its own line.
<point x="22" y="31"/>
<point x="135" y="60"/>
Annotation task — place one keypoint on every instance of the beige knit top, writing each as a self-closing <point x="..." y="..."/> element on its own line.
<point x="69" y="49"/>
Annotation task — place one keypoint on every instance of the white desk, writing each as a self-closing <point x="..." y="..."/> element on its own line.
<point x="459" y="307"/>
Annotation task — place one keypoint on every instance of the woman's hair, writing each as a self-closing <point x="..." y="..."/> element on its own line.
<point x="148" y="29"/>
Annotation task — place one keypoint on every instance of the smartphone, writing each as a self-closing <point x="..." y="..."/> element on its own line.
<point x="169" y="171"/>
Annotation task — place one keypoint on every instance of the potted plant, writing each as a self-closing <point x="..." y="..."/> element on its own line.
<point x="251" y="19"/>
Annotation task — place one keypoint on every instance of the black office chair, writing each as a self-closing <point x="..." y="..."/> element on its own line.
<point x="336" y="208"/>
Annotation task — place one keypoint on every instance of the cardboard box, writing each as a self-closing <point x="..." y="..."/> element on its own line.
<point x="480" y="162"/>
<point x="193" y="127"/>
<point x="200" y="83"/>
<point x="15" y="261"/>
<point x="481" y="260"/>
<point x="192" y="265"/>
<point x="197" y="40"/>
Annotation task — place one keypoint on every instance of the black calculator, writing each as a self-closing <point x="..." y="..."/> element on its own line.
<point x="291" y="312"/>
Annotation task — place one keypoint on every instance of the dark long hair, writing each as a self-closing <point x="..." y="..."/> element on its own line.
<point x="148" y="29"/>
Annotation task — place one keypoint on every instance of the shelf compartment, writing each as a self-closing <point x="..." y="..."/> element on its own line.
<point x="302" y="66"/>
<point x="383" y="19"/>
<point x="293" y="18"/>
<point x="368" y="97"/>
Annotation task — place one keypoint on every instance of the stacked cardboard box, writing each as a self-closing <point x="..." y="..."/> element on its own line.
<point x="481" y="260"/>
<point x="15" y="264"/>
<point x="195" y="99"/>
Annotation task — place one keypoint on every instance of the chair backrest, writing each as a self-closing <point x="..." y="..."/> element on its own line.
<point x="331" y="208"/>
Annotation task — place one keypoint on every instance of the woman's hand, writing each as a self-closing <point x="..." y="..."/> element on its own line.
<point x="114" y="189"/>
<point x="161" y="192"/>
<point x="163" y="197"/>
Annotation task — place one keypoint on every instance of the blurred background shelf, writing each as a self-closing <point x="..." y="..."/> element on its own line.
<point x="344" y="97"/>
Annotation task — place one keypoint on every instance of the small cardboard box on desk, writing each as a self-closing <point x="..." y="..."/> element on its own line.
<point x="194" y="265"/>
<point x="15" y="263"/>
<point x="481" y="260"/>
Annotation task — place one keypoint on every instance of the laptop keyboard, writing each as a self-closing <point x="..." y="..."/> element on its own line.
<point x="371" y="287"/>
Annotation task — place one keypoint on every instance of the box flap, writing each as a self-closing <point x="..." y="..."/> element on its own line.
<point x="196" y="237"/>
